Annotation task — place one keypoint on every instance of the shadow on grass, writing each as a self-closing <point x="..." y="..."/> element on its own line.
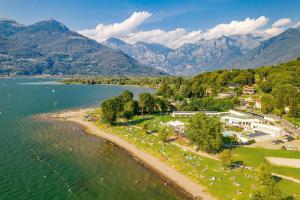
<point x="133" y="122"/>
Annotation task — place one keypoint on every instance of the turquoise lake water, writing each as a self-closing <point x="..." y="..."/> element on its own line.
<point x="44" y="160"/>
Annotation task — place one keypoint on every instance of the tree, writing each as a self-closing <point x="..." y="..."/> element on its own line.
<point x="130" y="109"/>
<point x="226" y="158"/>
<point x="265" y="86"/>
<point x="109" y="112"/>
<point x="267" y="105"/>
<point x="163" y="134"/>
<point x="205" y="132"/>
<point x="118" y="104"/>
<point x="165" y="90"/>
<point x="127" y="96"/>
<point x="294" y="109"/>
<point x="197" y="90"/>
<point x="146" y="102"/>
<point x="267" y="188"/>
<point x="184" y="91"/>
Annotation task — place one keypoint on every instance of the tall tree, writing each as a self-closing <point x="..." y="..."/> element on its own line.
<point x="267" y="104"/>
<point x="267" y="187"/>
<point x="109" y="112"/>
<point x="127" y="96"/>
<point x="205" y="132"/>
<point x="226" y="158"/>
<point x="146" y="102"/>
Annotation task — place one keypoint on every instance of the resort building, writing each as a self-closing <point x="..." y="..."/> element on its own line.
<point x="184" y="113"/>
<point x="239" y="119"/>
<point x="274" y="131"/>
<point x="192" y="113"/>
<point x="248" y="89"/>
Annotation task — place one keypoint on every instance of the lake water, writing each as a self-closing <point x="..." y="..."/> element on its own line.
<point x="44" y="160"/>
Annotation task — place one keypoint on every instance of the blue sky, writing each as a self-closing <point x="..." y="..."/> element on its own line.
<point x="168" y="15"/>
<point x="80" y="14"/>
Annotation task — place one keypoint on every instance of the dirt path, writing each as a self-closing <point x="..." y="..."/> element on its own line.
<point x="287" y="162"/>
<point x="171" y="174"/>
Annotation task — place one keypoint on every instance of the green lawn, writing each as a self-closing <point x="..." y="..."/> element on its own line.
<point x="224" y="184"/>
<point x="255" y="156"/>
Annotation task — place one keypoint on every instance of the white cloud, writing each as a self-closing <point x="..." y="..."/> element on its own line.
<point x="273" y="31"/>
<point x="102" y="32"/>
<point x="282" y="22"/>
<point x="236" y="27"/>
<point x="173" y="39"/>
<point x="126" y="31"/>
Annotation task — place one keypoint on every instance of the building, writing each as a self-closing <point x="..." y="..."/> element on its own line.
<point x="192" y="113"/>
<point x="246" y="102"/>
<point x="208" y="91"/>
<point x="184" y="113"/>
<point x="215" y="113"/>
<point x="258" y="104"/>
<point x="248" y="89"/>
<point x="233" y="86"/>
<point x="223" y="95"/>
<point x="274" y="131"/>
<point x="246" y="138"/>
<point x="239" y="119"/>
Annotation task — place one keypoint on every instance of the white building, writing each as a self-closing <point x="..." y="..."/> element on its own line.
<point x="274" y="131"/>
<point x="184" y="113"/>
<point x="239" y="119"/>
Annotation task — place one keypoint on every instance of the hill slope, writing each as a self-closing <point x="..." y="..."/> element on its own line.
<point x="49" y="47"/>
<point x="205" y="55"/>
<point x="278" y="49"/>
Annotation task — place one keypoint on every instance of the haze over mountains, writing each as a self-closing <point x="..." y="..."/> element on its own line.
<point x="49" y="47"/>
<point x="239" y="51"/>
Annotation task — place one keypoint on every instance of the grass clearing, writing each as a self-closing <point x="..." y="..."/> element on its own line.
<point x="222" y="183"/>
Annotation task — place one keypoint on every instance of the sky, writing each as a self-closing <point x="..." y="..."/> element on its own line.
<point x="169" y="22"/>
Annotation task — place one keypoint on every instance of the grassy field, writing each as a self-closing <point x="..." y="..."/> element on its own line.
<point x="255" y="156"/>
<point x="222" y="183"/>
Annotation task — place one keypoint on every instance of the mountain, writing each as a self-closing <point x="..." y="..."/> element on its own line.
<point x="49" y="47"/>
<point x="205" y="55"/>
<point x="153" y="55"/>
<point x="278" y="49"/>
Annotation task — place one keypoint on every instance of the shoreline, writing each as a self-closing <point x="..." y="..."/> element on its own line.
<point x="190" y="187"/>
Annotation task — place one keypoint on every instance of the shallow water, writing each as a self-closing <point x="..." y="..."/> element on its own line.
<point x="57" y="160"/>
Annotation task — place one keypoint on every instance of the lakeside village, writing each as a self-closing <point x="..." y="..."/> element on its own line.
<point x="229" y="131"/>
<point x="246" y="125"/>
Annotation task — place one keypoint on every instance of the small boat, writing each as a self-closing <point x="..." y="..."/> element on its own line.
<point x="53" y="91"/>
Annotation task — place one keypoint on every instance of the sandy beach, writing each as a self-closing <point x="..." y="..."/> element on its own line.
<point x="189" y="186"/>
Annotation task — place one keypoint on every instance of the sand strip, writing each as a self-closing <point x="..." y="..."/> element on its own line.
<point x="192" y="188"/>
<point x="287" y="162"/>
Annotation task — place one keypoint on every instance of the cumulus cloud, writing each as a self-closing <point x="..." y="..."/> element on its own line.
<point x="236" y="27"/>
<point x="102" y="32"/>
<point x="127" y="30"/>
<point x="282" y="22"/>
<point x="173" y="39"/>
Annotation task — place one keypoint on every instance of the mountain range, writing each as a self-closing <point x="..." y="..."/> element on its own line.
<point x="238" y="51"/>
<point x="49" y="47"/>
